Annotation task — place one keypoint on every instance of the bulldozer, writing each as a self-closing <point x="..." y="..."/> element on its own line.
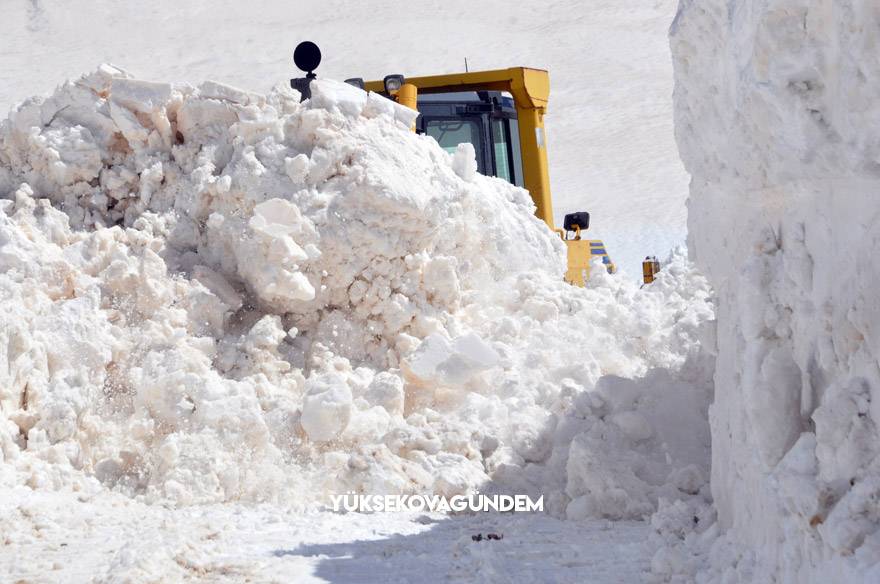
<point x="501" y="113"/>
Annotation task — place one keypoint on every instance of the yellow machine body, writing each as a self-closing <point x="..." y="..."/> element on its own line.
<point x="650" y="268"/>
<point x="581" y="253"/>
<point x="530" y="89"/>
<point x="408" y="95"/>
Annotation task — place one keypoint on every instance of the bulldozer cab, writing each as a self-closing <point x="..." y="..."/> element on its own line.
<point x="486" y="119"/>
<point x="489" y="121"/>
<point x="501" y="112"/>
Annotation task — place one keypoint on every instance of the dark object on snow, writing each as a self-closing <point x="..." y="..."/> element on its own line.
<point x="495" y="536"/>
<point x="580" y="220"/>
<point x="307" y="57"/>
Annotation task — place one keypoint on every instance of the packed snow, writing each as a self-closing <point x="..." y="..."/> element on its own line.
<point x="776" y="118"/>
<point x="107" y="538"/>
<point x="211" y="296"/>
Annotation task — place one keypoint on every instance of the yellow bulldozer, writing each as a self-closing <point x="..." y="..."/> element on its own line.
<point x="501" y="113"/>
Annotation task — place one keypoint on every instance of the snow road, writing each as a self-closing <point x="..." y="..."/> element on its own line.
<point x="112" y="538"/>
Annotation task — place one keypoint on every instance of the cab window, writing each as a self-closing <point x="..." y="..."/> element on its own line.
<point x="450" y="133"/>
<point x="500" y="141"/>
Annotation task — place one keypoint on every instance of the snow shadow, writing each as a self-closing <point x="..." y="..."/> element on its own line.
<point x="535" y="548"/>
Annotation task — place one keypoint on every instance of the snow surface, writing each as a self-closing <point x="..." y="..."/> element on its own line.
<point x="121" y="540"/>
<point x="776" y="118"/>
<point x="214" y="296"/>
<point x="609" y="125"/>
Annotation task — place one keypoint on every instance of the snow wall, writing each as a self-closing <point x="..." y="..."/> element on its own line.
<point x="778" y="122"/>
<point x="208" y="295"/>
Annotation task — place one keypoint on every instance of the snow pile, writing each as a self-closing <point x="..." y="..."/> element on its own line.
<point x="615" y="413"/>
<point x="776" y="119"/>
<point x="212" y="295"/>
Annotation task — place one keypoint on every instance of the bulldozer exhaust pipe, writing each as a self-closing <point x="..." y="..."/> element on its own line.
<point x="408" y="95"/>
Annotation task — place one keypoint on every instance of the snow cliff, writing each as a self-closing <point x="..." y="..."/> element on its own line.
<point x="776" y="119"/>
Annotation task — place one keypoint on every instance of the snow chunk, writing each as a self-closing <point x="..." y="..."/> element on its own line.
<point x="335" y="95"/>
<point x="326" y="407"/>
<point x="140" y="96"/>
<point x="215" y="90"/>
<point x="386" y="390"/>
<point x="455" y="361"/>
<point x="464" y="161"/>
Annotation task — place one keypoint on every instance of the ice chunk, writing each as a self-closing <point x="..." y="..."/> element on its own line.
<point x="326" y="407"/>
<point x="220" y="91"/>
<point x="464" y="161"/>
<point x="386" y="390"/>
<point x="377" y="105"/>
<point x="140" y="96"/>
<point x="441" y="360"/>
<point x="277" y="218"/>
<point x="297" y="168"/>
<point x="335" y="95"/>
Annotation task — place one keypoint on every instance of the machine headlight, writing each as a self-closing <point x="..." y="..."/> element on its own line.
<point x="393" y="83"/>
<point x="356" y="81"/>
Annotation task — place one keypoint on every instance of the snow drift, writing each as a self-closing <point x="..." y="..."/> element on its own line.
<point x="213" y="295"/>
<point x="776" y="117"/>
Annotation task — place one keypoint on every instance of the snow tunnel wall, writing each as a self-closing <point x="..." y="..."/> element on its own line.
<point x="778" y="122"/>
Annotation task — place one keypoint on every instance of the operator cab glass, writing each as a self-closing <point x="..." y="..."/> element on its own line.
<point x="450" y="133"/>
<point x="486" y="119"/>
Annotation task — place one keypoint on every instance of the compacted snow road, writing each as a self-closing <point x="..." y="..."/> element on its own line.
<point x="111" y="538"/>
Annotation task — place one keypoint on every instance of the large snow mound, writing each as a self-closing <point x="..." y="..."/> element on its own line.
<point x="213" y="295"/>
<point x="609" y="121"/>
<point x="776" y="117"/>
